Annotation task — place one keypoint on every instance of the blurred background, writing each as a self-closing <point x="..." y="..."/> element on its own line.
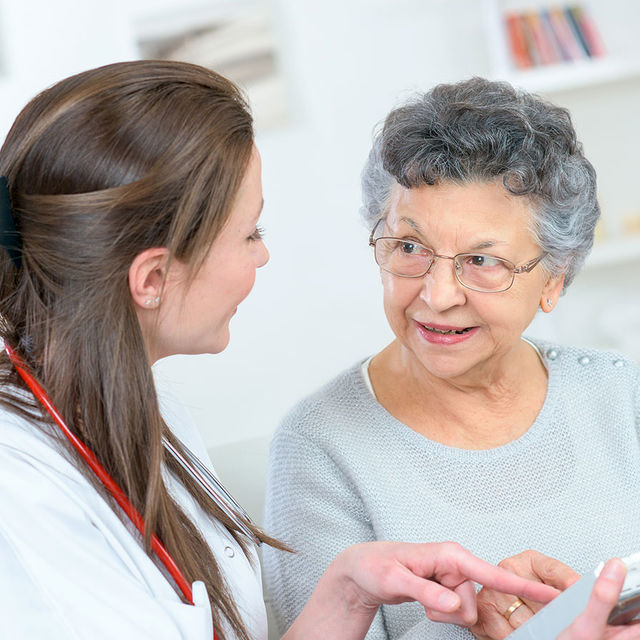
<point x="320" y="76"/>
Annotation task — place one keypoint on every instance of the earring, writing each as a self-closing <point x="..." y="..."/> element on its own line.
<point x="550" y="302"/>
<point x="152" y="301"/>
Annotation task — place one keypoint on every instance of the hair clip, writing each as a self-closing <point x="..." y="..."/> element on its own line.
<point x="9" y="236"/>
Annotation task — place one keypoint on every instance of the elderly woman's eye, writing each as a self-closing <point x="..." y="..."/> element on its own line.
<point x="410" y="248"/>
<point x="483" y="261"/>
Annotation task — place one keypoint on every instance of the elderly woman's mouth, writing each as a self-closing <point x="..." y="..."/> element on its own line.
<point x="447" y="331"/>
<point x="443" y="334"/>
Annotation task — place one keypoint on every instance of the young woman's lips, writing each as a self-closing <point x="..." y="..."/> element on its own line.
<point x="445" y="335"/>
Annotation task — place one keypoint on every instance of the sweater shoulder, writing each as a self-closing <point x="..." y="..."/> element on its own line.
<point x="585" y="379"/>
<point x="327" y="407"/>
<point x="587" y="361"/>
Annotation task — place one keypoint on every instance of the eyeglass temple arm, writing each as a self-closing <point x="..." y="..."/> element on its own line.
<point x="375" y="226"/>
<point x="525" y="268"/>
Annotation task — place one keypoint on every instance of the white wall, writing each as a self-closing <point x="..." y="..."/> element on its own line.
<point x="316" y="306"/>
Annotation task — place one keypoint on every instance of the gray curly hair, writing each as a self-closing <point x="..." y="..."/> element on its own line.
<point x="478" y="130"/>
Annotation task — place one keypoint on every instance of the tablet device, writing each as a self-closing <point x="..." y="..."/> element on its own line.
<point x="556" y="616"/>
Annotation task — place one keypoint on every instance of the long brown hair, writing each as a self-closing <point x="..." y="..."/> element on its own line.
<point x="102" y="166"/>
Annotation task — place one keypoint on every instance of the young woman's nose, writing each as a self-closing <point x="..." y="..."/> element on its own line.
<point x="263" y="255"/>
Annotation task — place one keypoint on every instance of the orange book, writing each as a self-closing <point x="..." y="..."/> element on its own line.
<point x="546" y="51"/>
<point x="517" y="42"/>
<point x="530" y="41"/>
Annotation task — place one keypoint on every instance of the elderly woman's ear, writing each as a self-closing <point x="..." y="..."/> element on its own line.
<point x="551" y="293"/>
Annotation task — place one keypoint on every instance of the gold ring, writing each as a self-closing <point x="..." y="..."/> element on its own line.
<point x="513" y="608"/>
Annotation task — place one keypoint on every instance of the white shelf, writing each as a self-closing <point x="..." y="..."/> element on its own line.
<point x="611" y="253"/>
<point x="573" y="75"/>
<point x="565" y="76"/>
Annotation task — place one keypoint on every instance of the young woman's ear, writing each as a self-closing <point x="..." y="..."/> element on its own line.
<point x="551" y="293"/>
<point x="146" y="275"/>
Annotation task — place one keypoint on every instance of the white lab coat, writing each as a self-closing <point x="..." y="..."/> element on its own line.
<point x="70" y="568"/>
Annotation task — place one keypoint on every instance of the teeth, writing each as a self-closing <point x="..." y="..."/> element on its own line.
<point x="446" y="332"/>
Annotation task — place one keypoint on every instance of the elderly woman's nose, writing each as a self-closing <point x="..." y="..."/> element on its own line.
<point x="440" y="287"/>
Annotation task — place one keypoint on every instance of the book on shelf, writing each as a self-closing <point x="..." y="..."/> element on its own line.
<point x="565" y="35"/>
<point x="540" y="39"/>
<point x="552" y="35"/>
<point x="519" y="46"/>
<point x="589" y="31"/>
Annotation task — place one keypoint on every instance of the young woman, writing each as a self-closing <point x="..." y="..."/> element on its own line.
<point x="129" y="205"/>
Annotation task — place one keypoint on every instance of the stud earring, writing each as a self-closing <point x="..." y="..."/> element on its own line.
<point x="152" y="301"/>
<point x="550" y="302"/>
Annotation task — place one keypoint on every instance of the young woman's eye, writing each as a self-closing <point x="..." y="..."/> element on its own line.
<point x="258" y="234"/>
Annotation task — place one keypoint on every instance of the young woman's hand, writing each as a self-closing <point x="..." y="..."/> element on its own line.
<point x="439" y="576"/>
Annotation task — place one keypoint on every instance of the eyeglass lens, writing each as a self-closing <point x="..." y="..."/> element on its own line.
<point x="410" y="259"/>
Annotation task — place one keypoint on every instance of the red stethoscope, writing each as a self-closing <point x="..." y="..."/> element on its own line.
<point x="158" y="548"/>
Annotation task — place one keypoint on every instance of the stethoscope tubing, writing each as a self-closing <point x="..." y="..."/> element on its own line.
<point x="213" y="488"/>
<point x="119" y="496"/>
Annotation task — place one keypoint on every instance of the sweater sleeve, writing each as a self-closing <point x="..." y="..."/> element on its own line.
<point x="314" y="508"/>
<point x="311" y="507"/>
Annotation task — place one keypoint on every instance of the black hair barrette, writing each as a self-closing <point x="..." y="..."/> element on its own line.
<point x="9" y="236"/>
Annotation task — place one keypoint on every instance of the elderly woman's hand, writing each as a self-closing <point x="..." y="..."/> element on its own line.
<point x="500" y="613"/>
<point x="591" y="624"/>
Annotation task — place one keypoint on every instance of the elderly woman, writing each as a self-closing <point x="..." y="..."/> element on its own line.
<point x="481" y="208"/>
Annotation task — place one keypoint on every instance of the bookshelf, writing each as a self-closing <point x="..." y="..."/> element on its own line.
<point x="578" y="75"/>
<point x="619" y="63"/>
<point x="579" y="81"/>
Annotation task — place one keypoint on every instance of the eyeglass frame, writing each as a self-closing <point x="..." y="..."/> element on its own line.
<point x="515" y="270"/>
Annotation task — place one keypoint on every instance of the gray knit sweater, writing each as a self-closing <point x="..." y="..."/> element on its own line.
<point x="343" y="470"/>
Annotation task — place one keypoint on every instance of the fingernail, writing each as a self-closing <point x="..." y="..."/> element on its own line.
<point x="448" y="601"/>
<point x="613" y="570"/>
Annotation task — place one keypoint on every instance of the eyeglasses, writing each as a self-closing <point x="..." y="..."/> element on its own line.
<point x="476" y="271"/>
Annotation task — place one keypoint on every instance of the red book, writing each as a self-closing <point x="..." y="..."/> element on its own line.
<point x="517" y="42"/>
